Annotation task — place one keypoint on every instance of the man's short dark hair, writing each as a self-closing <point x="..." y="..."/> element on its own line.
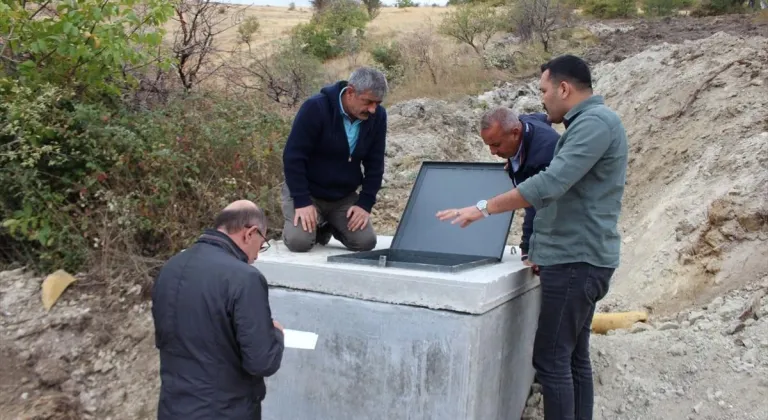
<point x="232" y="220"/>
<point x="571" y="69"/>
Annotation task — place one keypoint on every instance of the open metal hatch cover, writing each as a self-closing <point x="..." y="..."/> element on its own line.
<point x="423" y="242"/>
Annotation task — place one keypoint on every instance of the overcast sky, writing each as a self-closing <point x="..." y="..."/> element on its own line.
<point x="301" y="3"/>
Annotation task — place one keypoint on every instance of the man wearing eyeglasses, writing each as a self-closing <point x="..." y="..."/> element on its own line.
<point x="213" y="323"/>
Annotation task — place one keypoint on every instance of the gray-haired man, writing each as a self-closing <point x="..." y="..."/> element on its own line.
<point x="336" y="146"/>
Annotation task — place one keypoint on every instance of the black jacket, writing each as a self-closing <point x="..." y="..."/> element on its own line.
<point x="316" y="158"/>
<point x="214" y="331"/>
<point x="539" y="141"/>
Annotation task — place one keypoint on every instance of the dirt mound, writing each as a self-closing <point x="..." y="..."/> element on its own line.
<point x="623" y="38"/>
<point x="696" y="204"/>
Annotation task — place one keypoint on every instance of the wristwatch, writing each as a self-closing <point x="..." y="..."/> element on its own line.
<point x="482" y="206"/>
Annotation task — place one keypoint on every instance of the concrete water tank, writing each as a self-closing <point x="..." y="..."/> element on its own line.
<point x="441" y="328"/>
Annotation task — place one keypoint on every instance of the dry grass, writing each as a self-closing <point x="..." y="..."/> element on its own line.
<point x="453" y="70"/>
<point x="276" y="22"/>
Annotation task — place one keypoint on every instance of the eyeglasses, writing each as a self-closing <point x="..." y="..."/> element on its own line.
<point x="264" y="245"/>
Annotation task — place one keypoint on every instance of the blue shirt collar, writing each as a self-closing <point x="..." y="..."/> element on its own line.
<point x="341" y="105"/>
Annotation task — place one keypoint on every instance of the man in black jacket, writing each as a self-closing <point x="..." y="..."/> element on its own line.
<point x="213" y="324"/>
<point x="335" y="133"/>
<point x="528" y="143"/>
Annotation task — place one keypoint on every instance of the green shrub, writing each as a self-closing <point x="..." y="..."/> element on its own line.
<point x="80" y="177"/>
<point x="389" y="58"/>
<point x="607" y="9"/>
<point x="55" y="155"/>
<point x="718" y="7"/>
<point x="661" y="7"/>
<point x="87" y="44"/>
<point x="330" y="30"/>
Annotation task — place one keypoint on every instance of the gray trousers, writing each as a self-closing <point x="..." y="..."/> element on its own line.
<point x="331" y="219"/>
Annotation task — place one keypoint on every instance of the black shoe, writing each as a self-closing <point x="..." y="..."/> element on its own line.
<point x="323" y="235"/>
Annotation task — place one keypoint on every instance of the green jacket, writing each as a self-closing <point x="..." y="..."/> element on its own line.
<point x="578" y="197"/>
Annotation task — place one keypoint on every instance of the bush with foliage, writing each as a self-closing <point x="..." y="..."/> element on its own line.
<point x="662" y="7"/>
<point x="607" y="9"/>
<point x="389" y="58"/>
<point x="473" y="25"/>
<point x="330" y="29"/>
<point x="82" y="170"/>
<point x="157" y="177"/>
<point x="718" y="7"/>
<point x="89" y="45"/>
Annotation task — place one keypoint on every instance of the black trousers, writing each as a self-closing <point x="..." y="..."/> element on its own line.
<point x="561" y="348"/>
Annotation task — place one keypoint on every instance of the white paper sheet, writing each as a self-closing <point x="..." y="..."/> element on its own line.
<point x="299" y="339"/>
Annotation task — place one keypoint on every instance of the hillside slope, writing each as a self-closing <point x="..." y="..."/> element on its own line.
<point x="695" y="218"/>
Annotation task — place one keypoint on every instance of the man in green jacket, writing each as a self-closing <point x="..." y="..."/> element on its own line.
<point x="575" y="241"/>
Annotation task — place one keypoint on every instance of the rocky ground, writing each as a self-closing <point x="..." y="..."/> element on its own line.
<point x="709" y="362"/>
<point x="695" y="229"/>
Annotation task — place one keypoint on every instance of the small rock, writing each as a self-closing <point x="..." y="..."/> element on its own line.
<point x="697" y="407"/>
<point x="668" y="326"/>
<point x="715" y="304"/>
<point x="677" y="349"/>
<point x="25" y="395"/>
<point x="536" y="387"/>
<point x="750" y="356"/>
<point x="736" y="326"/>
<point x="640" y="327"/>
<point x="730" y="309"/>
<point x="695" y="316"/>
<point x="51" y="372"/>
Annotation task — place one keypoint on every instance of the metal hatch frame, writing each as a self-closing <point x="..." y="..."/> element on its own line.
<point x="398" y="257"/>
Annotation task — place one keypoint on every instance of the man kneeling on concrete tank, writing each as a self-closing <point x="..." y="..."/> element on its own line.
<point x="335" y="133"/>
<point x="213" y="324"/>
<point x="527" y="142"/>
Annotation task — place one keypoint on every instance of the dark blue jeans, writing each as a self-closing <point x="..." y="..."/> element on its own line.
<point x="569" y="293"/>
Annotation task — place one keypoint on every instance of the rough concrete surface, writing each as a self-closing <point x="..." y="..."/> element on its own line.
<point x="384" y="361"/>
<point x="474" y="290"/>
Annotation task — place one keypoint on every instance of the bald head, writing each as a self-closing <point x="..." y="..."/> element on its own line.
<point x="501" y="131"/>
<point x="240" y="214"/>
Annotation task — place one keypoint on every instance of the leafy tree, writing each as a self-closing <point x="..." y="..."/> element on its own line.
<point x="471" y="24"/>
<point x="329" y="31"/>
<point x="90" y="45"/>
<point x="373" y="7"/>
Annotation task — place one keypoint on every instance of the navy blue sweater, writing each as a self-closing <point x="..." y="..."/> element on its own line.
<point x="539" y="141"/>
<point x="316" y="159"/>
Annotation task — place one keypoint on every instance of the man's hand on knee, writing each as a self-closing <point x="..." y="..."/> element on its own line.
<point x="308" y="217"/>
<point x="357" y="218"/>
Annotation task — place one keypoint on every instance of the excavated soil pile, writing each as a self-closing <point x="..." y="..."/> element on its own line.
<point x="620" y="39"/>
<point x="695" y="219"/>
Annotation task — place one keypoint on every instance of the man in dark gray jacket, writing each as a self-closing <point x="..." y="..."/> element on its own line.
<point x="213" y="323"/>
